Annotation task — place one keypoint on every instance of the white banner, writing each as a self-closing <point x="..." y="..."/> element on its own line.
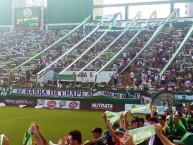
<point x="68" y="93"/>
<point x="53" y="93"/>
<point x="185" y="97"/>
<point x="89" y="76"/>
<point x="58" y="104"/>
<point x="160" y="109"/>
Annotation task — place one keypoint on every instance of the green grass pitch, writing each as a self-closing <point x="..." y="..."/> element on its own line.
<point x="54" y="124"/>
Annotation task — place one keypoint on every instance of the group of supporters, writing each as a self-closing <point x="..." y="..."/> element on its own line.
<point x="19" y="45"/>
<point x="24" y="44"/>
<point x="144" y="71"/>
<point x="170" y="129"/>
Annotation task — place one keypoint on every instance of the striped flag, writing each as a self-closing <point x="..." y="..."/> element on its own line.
<point x="27" y="139"/>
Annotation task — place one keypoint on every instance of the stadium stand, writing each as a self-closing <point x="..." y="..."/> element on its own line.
<point x="96" y="45"/>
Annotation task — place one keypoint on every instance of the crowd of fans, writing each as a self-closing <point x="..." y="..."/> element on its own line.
<point x="145" y="69"/>
<point x="17" y="46"/>
<point x="171" y="127"/>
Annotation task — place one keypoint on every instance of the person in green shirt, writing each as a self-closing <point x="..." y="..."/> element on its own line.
<point x="183" y="120"/>
<point x="168" y="130"/>
<point x="169" y="120"/>
<point x="178" y="129"/>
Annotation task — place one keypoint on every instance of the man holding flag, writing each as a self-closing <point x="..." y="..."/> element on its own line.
<point x="34" y="130"/>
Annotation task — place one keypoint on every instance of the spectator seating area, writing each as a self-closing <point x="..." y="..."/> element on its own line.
<point x="20" y="45"/>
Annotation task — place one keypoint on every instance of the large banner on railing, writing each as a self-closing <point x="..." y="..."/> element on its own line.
<point x="27" y="17"/>
<point x="53" y="93"/>
<point x="89" y="76"/>
<point x="118" y="94"/>
<point x="184" y="97"/>
<point x="70" y="93"/>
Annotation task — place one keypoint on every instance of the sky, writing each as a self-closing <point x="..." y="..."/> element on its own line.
<point x="162" y="10"/>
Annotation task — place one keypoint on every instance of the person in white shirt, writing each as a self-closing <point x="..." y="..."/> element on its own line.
<point x="132" y="75"/>
<point x="115" y="67"/>
<point x="187" y="83"/>
<point x="163" y="80"/>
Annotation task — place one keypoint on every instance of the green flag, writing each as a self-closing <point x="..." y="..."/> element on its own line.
<point x="141" y="134"/>
<point x="113" y="116"/>
<point x="27" y="140"/>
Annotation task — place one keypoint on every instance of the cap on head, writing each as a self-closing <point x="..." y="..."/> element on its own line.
<point x="115" y="125"/>
<point x="106" y="134"/>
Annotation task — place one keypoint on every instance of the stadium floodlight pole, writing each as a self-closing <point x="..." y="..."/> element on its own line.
<point x="88" y="49"/>
<point x="152" y="38"/>
<point x="153" y="15"/>
<point x="43" y="71"/>
<point x="186" y="38"/>
<point x="49" y="47"/>
<point x="121" y="34"/>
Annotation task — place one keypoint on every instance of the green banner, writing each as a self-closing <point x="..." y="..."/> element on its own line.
<point x="5" y="92"/>
<point x="28" y="17"/>
<point x="141" y="134"/>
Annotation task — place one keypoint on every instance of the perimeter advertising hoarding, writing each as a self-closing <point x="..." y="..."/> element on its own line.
<point x="28" y="17"/>
<point x="58" y="104"/>
<point x="15" y="102"/>
<point x="101" y="106"/>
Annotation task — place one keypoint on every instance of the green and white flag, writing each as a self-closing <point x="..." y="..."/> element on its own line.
<point x="1" y="139"/>
<point x="113" y="116"/>
<point x="27" y="139"/>
<point x="141" y="134"/>
<point x="109" y="18"/>
<point x="140" y="108"/>
<point x="110" y="113"/>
